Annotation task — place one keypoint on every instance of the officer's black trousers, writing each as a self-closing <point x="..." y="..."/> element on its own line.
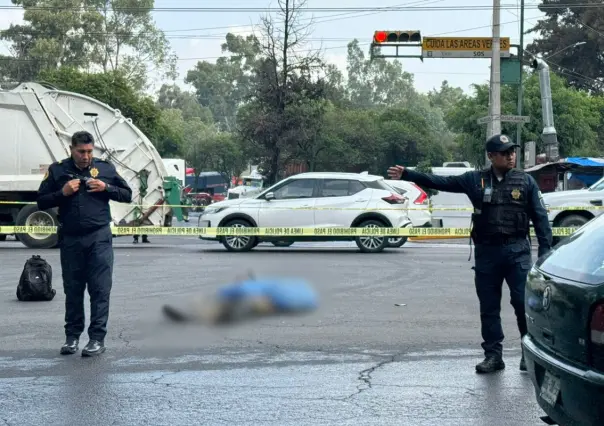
<point x="87" y="259"/>
<point x="494" y="264"/>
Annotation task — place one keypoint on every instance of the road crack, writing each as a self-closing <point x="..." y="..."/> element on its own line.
<point x="122" y="338"/>
<point x="365" y="376"/>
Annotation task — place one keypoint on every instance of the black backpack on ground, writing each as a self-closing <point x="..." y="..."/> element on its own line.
<point x="35" y="283"/>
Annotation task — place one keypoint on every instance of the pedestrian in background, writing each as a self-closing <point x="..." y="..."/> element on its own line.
<point x="81" y="187"/>
<point x="505" y="200"/>
<point x="145" y="239"/>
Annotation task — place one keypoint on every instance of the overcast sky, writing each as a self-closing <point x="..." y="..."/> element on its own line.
<point x="197" y="35"/>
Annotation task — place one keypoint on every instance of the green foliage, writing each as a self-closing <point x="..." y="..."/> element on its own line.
<point x="262" y="103"/>
<point x="113" y="89"/>
<point x="114" y="35"/>
<point x="582" y="66"/>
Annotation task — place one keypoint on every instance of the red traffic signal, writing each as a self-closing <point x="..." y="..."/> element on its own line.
<point x="380" y="36"/>
<point x="397" y="37"/>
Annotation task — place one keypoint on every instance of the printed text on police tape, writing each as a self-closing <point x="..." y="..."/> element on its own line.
<point x="274" y="232"/>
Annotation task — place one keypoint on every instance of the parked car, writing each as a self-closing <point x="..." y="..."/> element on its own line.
<point x="581" y="206"/>
<point x="418" y="210"/>
<point x="564" y="347"/>
<point x="307" y="200"/>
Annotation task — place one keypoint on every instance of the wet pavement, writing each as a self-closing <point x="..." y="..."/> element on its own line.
<point x="359" y="359"/>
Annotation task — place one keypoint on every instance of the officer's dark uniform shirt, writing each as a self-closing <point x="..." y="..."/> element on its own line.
<point x="83" y="211"/>
<point x="513" y="201"/>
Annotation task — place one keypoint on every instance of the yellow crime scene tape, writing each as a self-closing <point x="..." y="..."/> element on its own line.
<point x="452" y="209"/>
<point x="276" y="231"/>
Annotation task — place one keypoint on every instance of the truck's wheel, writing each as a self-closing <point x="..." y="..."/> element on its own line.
<point x="571" y="221"/>
<point x="31" y="216"/>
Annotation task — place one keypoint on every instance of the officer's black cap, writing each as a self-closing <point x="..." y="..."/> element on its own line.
<point x="500" y="143"/>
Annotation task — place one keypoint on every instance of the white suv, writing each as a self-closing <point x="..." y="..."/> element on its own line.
<point x="307" y="200"/>
<point x="419" y="210"/>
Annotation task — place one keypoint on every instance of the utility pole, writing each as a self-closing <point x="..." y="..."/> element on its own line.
<point x="519" y="159"/>
<point x="495" y="86"/>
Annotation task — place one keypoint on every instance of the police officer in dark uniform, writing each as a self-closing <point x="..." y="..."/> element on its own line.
<point x="81" y="187"/>
<point x="505" y="199"/>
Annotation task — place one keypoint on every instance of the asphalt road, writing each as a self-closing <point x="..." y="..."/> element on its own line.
<point x="358" y="360"/>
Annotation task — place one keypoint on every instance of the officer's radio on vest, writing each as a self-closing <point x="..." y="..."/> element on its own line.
<point x="487" y="195"/>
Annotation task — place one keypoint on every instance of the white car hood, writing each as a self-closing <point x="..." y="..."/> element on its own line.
<point x="561" y="196"/>
<point x="233" y="203"/>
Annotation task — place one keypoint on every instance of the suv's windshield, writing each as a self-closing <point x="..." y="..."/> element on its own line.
<point x="598" y="186"/>
<point x="579" y="257"/>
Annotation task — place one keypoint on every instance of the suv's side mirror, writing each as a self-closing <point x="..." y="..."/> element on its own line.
<point x="269" y="196"/>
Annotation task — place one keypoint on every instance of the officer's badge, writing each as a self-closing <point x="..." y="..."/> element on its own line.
<point x="504" y="139"/>
<point x="94" y="172"/>
<point x="515" y="194"/>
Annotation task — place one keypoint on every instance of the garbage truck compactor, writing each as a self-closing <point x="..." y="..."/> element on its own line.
<point x="36" y="124"/>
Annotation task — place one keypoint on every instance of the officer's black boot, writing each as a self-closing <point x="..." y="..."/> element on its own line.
<point x="70" y="347"/>
<point x="93" y="348"/>
<point x="522" y="363"/>
<point x="146" y="239"/>
<point x="491" y="364"/>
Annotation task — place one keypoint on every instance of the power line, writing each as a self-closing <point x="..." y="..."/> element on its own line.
<point x="314" y="9"/>
<point x="330" y="18"/>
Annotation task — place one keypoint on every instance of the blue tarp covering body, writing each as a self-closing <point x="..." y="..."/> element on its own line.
<point x="285" y="294"/>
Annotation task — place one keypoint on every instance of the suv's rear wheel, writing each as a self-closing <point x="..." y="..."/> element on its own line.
<point x="371" y="244"/>
<point x="239" y="243"/>
<point x="397" y="242"/>
<point x="282" y="243"/>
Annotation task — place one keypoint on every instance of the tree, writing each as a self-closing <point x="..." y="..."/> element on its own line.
<point x="577" y="119"/>
<point x="172" y="96"/>
<point x="223" y="87"/>
<point x="377" y="82"/>
<point x="110" y="35"/>
<point x="582" y="66"/>
<point x="281" y="82"/>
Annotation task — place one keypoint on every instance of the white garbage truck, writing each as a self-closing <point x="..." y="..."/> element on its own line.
<point x="37" y="122"/>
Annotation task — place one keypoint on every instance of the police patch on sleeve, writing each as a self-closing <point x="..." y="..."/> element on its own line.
<point x="541" y="198"/>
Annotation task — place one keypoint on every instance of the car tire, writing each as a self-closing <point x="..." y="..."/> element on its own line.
<point x="571" y="221"/>
<point x="397" y="242"/>
<point x="282" y="243"/>
<point x="371" y="244"/>
<point x="239" y="243"/>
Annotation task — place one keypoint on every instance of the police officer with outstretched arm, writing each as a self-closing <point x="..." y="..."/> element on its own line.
<point x="81" y="187"/>
<point x="505" y="200"/>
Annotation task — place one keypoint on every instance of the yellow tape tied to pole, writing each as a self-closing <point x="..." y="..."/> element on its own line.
<point x="276" y="231"/>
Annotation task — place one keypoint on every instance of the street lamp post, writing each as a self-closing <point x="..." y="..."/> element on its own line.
<point x="549" y="135"/>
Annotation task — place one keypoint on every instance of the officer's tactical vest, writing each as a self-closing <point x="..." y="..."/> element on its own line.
<point x="504" y="214"/>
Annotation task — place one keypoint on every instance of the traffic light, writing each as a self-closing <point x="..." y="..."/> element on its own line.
<point x="409" y="36"/>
